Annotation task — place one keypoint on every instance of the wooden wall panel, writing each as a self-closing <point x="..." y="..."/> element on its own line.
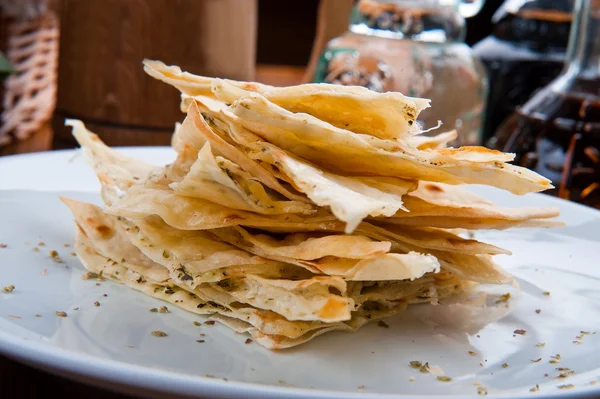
<point x="103" y="43"/>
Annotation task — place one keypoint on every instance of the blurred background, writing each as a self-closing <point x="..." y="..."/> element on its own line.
<point x="518" y="75"/>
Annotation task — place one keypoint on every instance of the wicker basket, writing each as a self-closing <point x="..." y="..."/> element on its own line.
<point x="32" y="47"/>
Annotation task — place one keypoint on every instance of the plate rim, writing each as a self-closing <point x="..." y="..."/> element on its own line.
<point x="74" y="363"/>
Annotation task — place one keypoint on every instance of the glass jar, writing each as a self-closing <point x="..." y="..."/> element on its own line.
<point x="557" y="132"/>
<point x="416" y="48"/>
<point x="524" y="53"/>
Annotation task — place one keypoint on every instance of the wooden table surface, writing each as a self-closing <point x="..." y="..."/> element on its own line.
<point x="20" y="381"/>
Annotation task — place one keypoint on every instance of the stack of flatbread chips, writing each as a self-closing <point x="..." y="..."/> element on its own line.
<point x="293" y="211"/>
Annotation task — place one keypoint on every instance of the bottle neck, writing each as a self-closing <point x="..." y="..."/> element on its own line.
<point x="583" y="52"/>
<point x="435" y="21"/>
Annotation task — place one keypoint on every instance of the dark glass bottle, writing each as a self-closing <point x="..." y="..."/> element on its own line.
<point x="525" y="52"/>
<point x="557" y="132"/>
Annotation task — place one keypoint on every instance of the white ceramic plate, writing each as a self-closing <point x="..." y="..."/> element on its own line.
<point x="111" y="345"/>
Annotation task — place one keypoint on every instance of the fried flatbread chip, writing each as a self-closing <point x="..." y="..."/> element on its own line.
<point x="264" y="321"/>
<point x="188" y="213"/>
<point x="106" y="235"/>
<point x="350" y="199"/>
<point x="295" y="211"/>
<point x="448" y="206"/>
<point x="331" y="260"/>
<point x="340" y="150"/>
<point x="206" y="179"/>
<point x="384" y="115"/>
<point x="114" y="170"/>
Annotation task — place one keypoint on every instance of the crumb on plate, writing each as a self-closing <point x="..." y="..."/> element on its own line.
<point x="566" y="386"/>
<point x="8" y="288"/>
<point x="535" y="388"/>
<point x="383" y="324"/>
<point x="415" y="364"/>
<point x="503" y="298"/>
<point x="55" y="257"/>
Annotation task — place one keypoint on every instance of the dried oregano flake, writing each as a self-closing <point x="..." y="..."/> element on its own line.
<point x="8" y="288"/>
